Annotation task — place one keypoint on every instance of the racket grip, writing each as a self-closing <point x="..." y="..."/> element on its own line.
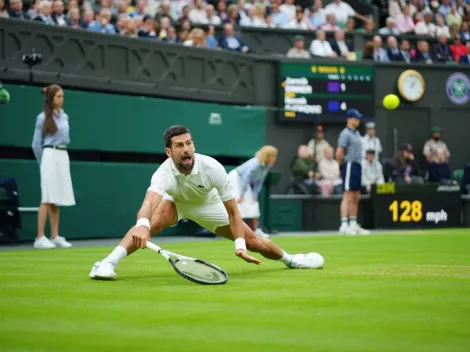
<point x="153" y="246"/>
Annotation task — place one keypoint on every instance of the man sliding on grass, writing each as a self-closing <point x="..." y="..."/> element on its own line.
<point x="194" y="186"/>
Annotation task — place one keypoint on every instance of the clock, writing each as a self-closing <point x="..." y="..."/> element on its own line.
<point x="411" y="85"/>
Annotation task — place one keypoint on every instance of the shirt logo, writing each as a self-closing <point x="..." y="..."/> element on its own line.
<point x="458" y="88"/>
<point x="200" y="186"/>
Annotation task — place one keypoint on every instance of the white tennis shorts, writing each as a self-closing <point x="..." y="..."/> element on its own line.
<point x="56" y="182"/>
<point x="209" y="216"/>
<point x="249" y="208"/>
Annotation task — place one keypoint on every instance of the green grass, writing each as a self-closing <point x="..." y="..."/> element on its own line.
<point x="402" y="292"/>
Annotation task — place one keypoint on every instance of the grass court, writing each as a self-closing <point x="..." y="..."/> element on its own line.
<point x="408" y="291"/>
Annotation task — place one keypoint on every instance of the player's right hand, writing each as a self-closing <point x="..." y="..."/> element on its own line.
<point x="140" y="236"/>
<point x="246" y="257"/>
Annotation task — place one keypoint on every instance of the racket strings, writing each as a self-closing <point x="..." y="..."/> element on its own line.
<point x="199" y="270"/>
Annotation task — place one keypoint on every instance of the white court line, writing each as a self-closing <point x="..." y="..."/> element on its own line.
<point x="28" y="209"/>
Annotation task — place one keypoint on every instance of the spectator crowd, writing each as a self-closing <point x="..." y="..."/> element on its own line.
<point x="177" y="21"/>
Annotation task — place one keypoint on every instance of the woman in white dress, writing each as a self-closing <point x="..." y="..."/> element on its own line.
<point x="51" y="137"/>
<point x="247" y="181"/>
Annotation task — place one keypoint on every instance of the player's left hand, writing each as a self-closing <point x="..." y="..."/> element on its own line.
<point x="246" y="257"/>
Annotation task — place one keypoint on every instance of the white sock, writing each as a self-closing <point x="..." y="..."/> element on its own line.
<point x="286" y="258"/>
<point x="353" y="221"/>
<point x="116" y="255"/>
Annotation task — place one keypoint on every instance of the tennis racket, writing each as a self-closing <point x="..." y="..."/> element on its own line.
<point x="192" y="269"/>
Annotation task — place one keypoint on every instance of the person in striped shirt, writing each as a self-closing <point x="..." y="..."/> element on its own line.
<point x="349" y="156"/>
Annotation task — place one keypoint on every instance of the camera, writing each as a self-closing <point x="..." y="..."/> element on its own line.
<point x="32" y="59"/>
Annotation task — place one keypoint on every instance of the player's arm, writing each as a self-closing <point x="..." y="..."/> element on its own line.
<point x="342" y="144"/>
<point x="340" y="155"/>
<point x="149" y="205"/>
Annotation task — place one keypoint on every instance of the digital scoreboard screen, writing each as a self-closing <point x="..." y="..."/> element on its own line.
<point x="323" y="92"/>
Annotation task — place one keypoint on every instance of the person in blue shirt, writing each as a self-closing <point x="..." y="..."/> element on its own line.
<point x="247" y="181"/>
<point x="50" y="140"/>
<point x="349" y="157"/>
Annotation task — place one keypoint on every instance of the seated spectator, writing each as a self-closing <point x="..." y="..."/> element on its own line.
<point x="233" y="15"/>
<point x="184" y="15"/>
<point x="342" y="11"/>
<point x="302" y="169"/>
<point x="289" y="9"/>
<point x="171" y="37"/>
<point x="465" y="59"/>
<point x="368" y="52"/>
<point x="298" y="50"/>
<point x="131" y="28"/>
<point x="466" y="178"/>
<point x="147" y="30"/>
<point x="316" y="15"/>
<point x="442" y="52"/>
<point x="453" y="31"/>
<point x="350" y="25"/>
<point x="321" y="47"/>
<point x="198" y="13"/>
<point x="298" y="22"/>
<point x="58" y="15"/>
<point x="340" y="47"/>
<point x="394" y="7"/>
<point x="458" y="49"/>
<point x="231" y="42"/>
<point x="439" y="170"/>
<point x="372" y="171"/>
<point x="405" y="50"/>
<point x="465" y="32"/>
<point x="422" y="53"/>
<point x="222" y="11"/>
<point x="139" y="10"/>
<point x="330" y="25"/>
<point x="260" y="12"/>
<point x="16" y="10"/>
<point x="391" y="28"/>
<point x="44" y="15"/>
<point x="405" y="22"/>
<point x="196" y="38"/>
<point x="210" y="38"/>
<point x="165" y="11"/>
<point x="426" y="26"/>
<point x="432" y="145"/>
<point x="329" y="174"/>
<point x="393" y="52"/>
<point x="369" y="27"/>
<point x="249" y="20"/>
<point x="279" y="18"/>
<point x="212" y="17"/>
<point x="403" y="169"/>
<point x="73" y="18"/>
<point x="441" y="27"/>
<point x="102" y="23"/>
<point x="445" y="8"/>
<point x="454" y="16"/>
<point x="3" y="10"/>
<point x="318" y="144"/>
<point x="33" y="8"/>
<point x="380" y="54"/>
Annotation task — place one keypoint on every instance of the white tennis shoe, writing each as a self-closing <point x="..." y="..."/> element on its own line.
<point x="358" y="230"/>
<point x="307" y="261"/>
<point x="261" y="233"/>
<point x="61" y="242"/>
<point x="43" y="243"/>
<point x="103" y="271"/>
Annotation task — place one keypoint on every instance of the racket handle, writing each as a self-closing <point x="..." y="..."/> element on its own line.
<point x="153" y="246"/>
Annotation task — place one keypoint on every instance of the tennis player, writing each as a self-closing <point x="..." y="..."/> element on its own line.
<point x="194" y="186"/>
<point x="349" y="156"/>
<point x="247" y="181"/>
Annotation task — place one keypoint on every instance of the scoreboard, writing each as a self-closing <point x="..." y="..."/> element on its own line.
<point x="323" y="92"/>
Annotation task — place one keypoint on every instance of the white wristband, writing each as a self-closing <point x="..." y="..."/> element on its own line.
<point x="240" y="244"/>
<point x="143" y="222"/>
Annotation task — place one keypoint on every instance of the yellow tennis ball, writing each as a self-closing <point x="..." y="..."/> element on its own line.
<point x="391" y="102"/>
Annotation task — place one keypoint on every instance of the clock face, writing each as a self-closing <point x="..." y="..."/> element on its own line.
<point x="412" y="87"/>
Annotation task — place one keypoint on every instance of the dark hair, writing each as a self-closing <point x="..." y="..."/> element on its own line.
<point x="173" y="131"/>
<point x="49" y="92"/>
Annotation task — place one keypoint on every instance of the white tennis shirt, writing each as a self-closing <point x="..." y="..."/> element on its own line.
<point x="207" y="183"/>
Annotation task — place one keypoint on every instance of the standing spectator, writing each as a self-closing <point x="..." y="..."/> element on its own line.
<point x="51" y="137"/>
<point x="320" y="47"/>
<point x="442" y="52"/>
<point x="405" y="22"/>
<point x="391" y="28"/>
<point x="247" y="181"/>
<point x="439" y="170"/>
<point x="298" y="50"/>
<point x="231" y="42"/>
<point x="371" y="141"/>
<point x="339" y="46"/>
<point x="349" y="151"/>
<point x="458" y="49"/>
<point x="380" y="54"/>
<point x="372" y="171"/>
<point x="465" y="59"/>
<point x="432" y="145"/>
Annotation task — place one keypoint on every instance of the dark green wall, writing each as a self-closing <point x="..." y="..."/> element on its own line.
<point x="110" y="122"/>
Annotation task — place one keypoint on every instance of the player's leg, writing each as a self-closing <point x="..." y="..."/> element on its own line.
<point x="345" y="202"/>
<point x="165" y="215"/>
<point x="356" y="175"/>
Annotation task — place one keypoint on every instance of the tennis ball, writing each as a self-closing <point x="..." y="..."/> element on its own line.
<point x="4" y="96"/>
<point x="391" y="102"/>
